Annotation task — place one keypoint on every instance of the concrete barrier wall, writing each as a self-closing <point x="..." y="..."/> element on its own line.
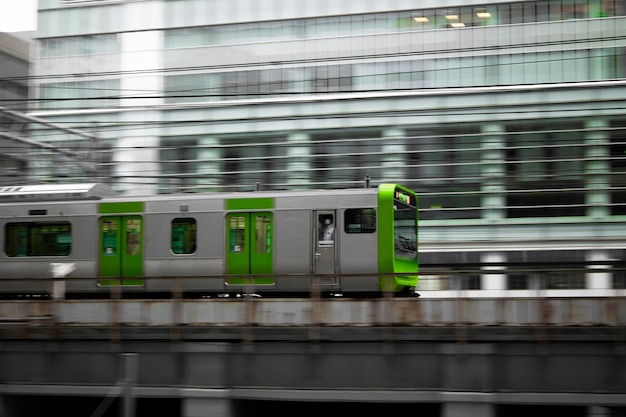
<point x="322" y="312"/>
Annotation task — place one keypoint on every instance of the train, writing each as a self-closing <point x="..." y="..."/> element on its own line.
<point x="81" y="240"/>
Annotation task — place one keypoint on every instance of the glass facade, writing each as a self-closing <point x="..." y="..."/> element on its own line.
<point x="404" y="62"/>
<point x="385" y="75"/>
<point x="393" y="22"/>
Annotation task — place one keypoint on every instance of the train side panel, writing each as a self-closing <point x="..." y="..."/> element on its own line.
<point x="293" y="249"/>
<point x="358" y="254"/>
<point x="199" y="263"/>
<point x="349" y="252"/>
<point x="358" y="242"/>
<point x="69" y="228"/>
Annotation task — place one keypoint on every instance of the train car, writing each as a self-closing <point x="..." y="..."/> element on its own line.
<point x="351" y="241"/>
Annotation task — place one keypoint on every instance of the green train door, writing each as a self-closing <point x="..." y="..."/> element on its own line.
<point x="249" y="247"/>
<point x="121" y="250"/>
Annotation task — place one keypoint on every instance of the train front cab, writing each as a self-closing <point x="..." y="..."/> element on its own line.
<point x="398" y="262"/>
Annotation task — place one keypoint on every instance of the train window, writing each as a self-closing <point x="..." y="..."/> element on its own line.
<point x="38" y="239"/>
<point x="237" y="242"/>
<point x="360" y="220"/>
<point x="405" y="231"/>
<point x="326" y="228"/>
<point x="183" y="236"/>
<point x="133" y="236"/>
<point x="263" y="234"/>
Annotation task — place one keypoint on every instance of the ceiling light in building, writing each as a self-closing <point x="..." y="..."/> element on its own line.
<point x="483" y="13"/>
<point x="457" y="24"/>
<point x="420" y="19"/>
<point x="452" y="16"/>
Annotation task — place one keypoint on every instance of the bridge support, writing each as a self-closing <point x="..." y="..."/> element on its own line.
<point x="595" y="411"/>
<point x="467" y="409"/>
<point x="201" y="407"/>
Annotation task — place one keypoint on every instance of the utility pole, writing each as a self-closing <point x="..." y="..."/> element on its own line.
<point x="130" y="364"/>
<point x="123" y="388"/>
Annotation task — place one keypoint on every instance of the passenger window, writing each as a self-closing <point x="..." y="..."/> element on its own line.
<point x="326" y="228"/>
<point x="183" y="236"/>
<point x="263" y="234"/>
<point x="38" y="239"/>
<point x="237" y="241"/>
<point x="133" y="237"/>
<point x="360" y="220"/>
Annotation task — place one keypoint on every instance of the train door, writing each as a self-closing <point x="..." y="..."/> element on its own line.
<point x="121" y="249"/>
<point x="249" y="247"/>
<point x="326" y="247"/>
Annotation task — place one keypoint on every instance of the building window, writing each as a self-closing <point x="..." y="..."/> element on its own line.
<point x="545" y="170"/>
<point x="386" y="75"/>
<point x="80" y="45"/>
<point x="562" y="280"/>
<point x="179" y="158"/>
<point x="380" y="23"/>
<point x="331" y="78"/>
<point x="344" y="159"/>
<point x="618" y="166"/>
<point x="550" y="269"/>
<point x="518" y="281"/>
<point x="469" y="281"/>
<point x="80" y="94"/>
<point x="253" y="159"/>
<point x="444" y="169"/>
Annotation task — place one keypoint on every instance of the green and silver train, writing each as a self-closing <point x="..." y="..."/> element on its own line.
<point x="87" y="240"/>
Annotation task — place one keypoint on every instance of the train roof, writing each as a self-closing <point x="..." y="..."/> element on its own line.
<point x="98" y="191"/>
<point x="56" y="192"/>
<point x="223" y="195"/>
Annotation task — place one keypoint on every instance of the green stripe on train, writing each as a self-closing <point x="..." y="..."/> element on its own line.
<point x="121" y="282"/>
<point x="125" y="207"/>
<point x="249" y="203"/>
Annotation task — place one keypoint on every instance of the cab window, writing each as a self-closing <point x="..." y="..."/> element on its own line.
<point x="405" y="231"/>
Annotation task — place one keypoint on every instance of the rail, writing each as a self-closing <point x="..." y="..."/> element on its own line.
<point x="605" y="278"/>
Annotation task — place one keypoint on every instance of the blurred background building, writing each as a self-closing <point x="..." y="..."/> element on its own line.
<point x="14" y="69"/>
<point x="508" y="118"/>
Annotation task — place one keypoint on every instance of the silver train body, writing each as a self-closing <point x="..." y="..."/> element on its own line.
<point x="85" y="240"/>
